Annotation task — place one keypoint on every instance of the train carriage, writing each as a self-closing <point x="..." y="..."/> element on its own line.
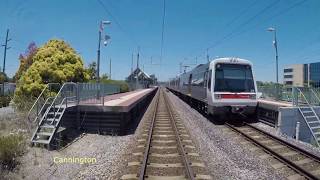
<point x="224" y="86"/>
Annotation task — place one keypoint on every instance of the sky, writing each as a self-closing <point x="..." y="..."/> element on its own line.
<point x="227" y="28"/>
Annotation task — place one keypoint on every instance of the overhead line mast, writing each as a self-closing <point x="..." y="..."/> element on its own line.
<point x="5" y="51"/>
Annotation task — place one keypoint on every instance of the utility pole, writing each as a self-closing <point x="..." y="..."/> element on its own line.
<point x="137" y="77"/>
<point x="208" y="55"/>
<point x="5" y="45"/>
<point x="131" y="63"/>
<point x="275" y="44"/>
<point x="138" y="57"/>
<point x="110" y="69"/>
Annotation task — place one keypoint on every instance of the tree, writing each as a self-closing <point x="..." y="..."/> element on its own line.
<point x="56" y="61"/>
<point x="104" y="76"/>
<point x="92" y="70"/>
<point x="26" y="60"/>
<point x="3" y="77"/>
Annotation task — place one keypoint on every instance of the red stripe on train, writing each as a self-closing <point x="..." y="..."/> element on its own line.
<point x="235" y="96"/>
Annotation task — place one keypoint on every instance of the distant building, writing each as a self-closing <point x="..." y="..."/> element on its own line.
<point x="139" y="79"/>
<point x="302" y="75"/>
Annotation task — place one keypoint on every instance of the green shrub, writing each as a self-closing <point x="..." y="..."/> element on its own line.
<point x="23" y="103"/>
<point x="11" y="147"/>
<point x="5" y="101"/>
<point x="124" y="87"/>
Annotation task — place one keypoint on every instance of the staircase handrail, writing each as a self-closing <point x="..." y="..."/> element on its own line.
<point x="62" y="102"/>
<point x="315" y="94"/>
<point x="37" y="100"/>
<point x="54" y="101"/>
<point x="47" y="100"/>
<point x="315" y="138"/>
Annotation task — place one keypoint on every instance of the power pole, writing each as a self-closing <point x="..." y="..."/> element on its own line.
<point x="207" y="55"/>
<point x="131" y="63"/>
<point x="138" y="57"/>
<point x="4" y="58"/>
<point x="110" y="69"/>
<point x="137" y="77"/>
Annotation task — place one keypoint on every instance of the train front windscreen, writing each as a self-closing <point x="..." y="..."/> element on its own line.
<point x="233" y="78"/>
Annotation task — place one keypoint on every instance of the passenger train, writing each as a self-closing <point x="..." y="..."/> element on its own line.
<point x="221" y="87"/>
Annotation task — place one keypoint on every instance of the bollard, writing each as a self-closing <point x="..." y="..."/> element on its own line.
<point x="278" y="125"/>
<point x="297" y="130"/>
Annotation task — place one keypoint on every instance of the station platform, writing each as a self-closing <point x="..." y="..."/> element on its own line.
<point x="268" y="110"/>
<point x="272" y="104"/>
<point x="114" y="116"/>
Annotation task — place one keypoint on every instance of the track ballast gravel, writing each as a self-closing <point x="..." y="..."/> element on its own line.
<point x="224" y="156"/>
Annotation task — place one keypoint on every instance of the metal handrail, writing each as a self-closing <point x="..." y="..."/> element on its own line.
<point x="42" y="108"/>
<point x="315" y="94"/>
<point x="37" y="100"/>
<point x="53" y="102"/>
<point x="60" y="105"/>
<point x="315" y="138"/>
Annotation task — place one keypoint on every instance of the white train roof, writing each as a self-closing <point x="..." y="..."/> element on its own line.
<point x="232" y="60"/>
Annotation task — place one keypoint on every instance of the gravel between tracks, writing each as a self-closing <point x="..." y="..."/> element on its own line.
<point x="225" y="158"/>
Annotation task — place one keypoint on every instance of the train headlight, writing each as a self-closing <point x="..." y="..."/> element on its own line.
<point x="217" y="96"/>
<point x="253" y="96"/>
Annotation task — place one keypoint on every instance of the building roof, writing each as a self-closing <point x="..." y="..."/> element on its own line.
<point x="138" y="72"/>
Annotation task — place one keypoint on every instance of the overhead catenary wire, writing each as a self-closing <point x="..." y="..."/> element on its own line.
<point x="234" y="20"/>
<point x="131" y="38"/>
<point x="265" y="9"/>
<point x="162" y="29"/>
<point x="235" y="33"/>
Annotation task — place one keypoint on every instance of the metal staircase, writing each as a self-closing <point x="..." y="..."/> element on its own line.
<point x="51" y="112"/>
<point x="306" y="101"/>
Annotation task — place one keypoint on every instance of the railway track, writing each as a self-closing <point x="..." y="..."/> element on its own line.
<point x="304" y="164"/>
<point x="165" y="150"/>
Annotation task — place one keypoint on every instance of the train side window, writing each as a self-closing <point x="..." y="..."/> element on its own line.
<point x="209" y="81"/>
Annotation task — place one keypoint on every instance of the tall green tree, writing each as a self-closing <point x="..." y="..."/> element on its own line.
<point x="92" y="70"/>
<point x="56" y="61"/>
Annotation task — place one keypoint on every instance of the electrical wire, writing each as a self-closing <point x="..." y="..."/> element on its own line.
<point x="162" y="30"/>
<point x="117" y="22"/>
<point x="235" y="33"/>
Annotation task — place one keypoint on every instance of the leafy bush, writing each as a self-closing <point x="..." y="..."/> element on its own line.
<point x="4" y="101"/>
<point x="124" y="87"/>
<point x="11" y="147"/>
<point x="56" y="61"/>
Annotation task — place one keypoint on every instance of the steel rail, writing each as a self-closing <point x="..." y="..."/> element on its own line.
<point x="146" y="153"/>
<point x="285" y="143"/>
<point x="186" y="161"/>
<point x="276" y="155"/>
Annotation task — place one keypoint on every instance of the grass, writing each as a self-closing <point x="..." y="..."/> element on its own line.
<point x="11" y="147"/>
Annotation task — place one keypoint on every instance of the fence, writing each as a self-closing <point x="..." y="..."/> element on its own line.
<point x="276" y="92"/>
<point x="9" y="88"/>
<point x="69" y="94"/>
<point x="91" y="93"/>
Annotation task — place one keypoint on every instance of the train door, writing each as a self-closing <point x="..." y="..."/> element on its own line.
<point x="189" y="85"/>
<point x="209" y="89"/>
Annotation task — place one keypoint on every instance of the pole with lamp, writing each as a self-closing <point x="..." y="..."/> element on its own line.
<point x="105" y="42"/>
<point x="275" y="44"/>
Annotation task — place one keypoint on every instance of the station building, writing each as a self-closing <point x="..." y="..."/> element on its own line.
<point x="139" y="79"/>
<point x="302" y="75"/>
